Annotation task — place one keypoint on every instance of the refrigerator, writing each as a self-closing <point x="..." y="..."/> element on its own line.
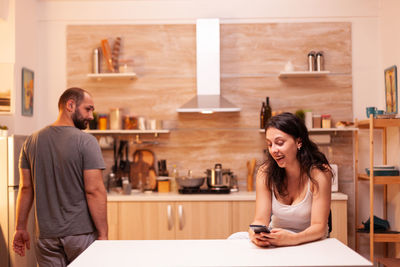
<point x="10" y="147"/>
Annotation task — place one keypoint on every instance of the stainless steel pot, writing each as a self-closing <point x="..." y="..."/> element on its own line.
<point x="218" y="177"/>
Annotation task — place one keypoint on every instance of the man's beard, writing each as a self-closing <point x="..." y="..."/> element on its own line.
<point x="79" y="122"/>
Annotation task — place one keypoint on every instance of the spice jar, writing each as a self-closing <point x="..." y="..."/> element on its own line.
<point x="316" y="121"/>
<point x="102" y="121"/>
<point x="326" y="121"/>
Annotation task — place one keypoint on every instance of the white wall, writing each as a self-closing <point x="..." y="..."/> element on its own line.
<point x="18" y="47"/>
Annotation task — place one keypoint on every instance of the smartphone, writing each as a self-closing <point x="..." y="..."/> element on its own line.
<point x="259" y="228"/>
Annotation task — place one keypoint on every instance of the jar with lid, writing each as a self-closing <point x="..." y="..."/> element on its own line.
<point x="311" y="61"/>
<point x="115" y="119"/>
<point x="326" y="121"/>
<point x="316" y="121"/>
<point x="102" y="122"/>
<point x="319" y="57"/>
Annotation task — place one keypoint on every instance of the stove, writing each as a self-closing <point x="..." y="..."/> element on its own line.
<point x="197" y="190"/>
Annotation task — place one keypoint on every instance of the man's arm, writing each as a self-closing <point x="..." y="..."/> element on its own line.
<point x="24" y="204"/>
<point x="97" y="201"/>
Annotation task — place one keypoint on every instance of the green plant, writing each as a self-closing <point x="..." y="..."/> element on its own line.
<point x="300" y="113"/>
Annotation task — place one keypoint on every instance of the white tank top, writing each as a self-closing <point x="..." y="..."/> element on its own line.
<point x="295" y="217"/>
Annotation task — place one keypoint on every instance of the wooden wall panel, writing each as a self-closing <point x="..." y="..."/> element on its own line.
<point x="252" y="55"/>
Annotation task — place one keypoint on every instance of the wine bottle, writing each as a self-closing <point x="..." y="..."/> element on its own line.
<point x="262" y="113"/>
<point x="268" y="112"/>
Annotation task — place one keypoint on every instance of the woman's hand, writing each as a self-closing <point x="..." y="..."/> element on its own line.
<point x="259" y="239"/>
<point x="280" y="237"/>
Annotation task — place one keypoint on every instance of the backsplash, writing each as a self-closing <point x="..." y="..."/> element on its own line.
<point x="252" y="55"/>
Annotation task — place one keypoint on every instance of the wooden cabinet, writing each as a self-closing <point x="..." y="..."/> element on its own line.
<point x="339" y="220"/>
<point x="172" y="220"/>
<point x="137" y="220"/>
<point x="371" y="124"/>
<point x="242" y="215"/>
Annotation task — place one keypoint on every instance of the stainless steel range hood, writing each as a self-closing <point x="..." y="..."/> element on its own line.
<point x="208" y="99"/>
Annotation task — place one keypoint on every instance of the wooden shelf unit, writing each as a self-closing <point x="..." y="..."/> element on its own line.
<point x="371" y="124"/>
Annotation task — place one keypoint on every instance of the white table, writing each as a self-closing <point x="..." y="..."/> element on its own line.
<point x="328" y="252"/>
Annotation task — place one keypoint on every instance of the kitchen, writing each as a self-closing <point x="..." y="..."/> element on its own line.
<point x="247" y="75"/>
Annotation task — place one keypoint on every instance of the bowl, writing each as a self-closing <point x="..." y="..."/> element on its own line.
<point x="190" y="182"/>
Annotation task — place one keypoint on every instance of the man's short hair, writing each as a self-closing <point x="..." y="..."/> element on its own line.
<point x="75" y="93"/>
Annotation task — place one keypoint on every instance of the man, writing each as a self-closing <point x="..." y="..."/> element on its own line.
<point x="61" y="171"/>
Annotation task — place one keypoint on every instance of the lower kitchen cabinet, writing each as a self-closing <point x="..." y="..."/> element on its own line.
<point x="173" y="220"/>
<point x="242" y="215"/>
<point x="141" y="220"/>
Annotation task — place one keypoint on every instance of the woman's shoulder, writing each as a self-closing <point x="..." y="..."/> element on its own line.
<point x="321" y="176"/>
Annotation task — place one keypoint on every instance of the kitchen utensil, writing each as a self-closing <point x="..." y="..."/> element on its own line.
<point x="250" y="173"/>
<point x="143" y="170"/>
<point x="311" y="61"/>
<point x="190" y="182"/>
<point x="107" y="54"/>
<point x="319" y="61"/>
<point x="218" y="177"/>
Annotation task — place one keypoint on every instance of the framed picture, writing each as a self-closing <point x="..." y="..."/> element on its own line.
<point x="391" y="90"/>
<point x="27" y="92"/>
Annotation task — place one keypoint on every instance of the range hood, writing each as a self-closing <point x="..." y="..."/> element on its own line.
<point x="208" y="98"/>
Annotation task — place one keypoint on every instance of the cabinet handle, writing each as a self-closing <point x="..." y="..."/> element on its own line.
<point x="169" y="214"/>
<point x="180" y="213"/>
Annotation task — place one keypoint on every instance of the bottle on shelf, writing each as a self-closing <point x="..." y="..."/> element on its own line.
<point x="175" y="174"/>
<point x="262" y="113"/>
<point x="268" y="112"/>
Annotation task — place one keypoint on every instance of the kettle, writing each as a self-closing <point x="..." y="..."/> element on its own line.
<point x="218" y="177"/>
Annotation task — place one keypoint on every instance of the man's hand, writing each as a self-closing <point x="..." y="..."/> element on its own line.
<point x="21" y="239"/>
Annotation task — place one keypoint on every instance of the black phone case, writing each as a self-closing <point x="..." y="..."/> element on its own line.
<point x="259" y="228"/>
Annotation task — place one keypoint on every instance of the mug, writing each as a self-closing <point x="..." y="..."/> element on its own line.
<point x="371" y="110"/>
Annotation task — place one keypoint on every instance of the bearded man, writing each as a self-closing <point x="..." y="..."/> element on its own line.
<point x="61" y="172"/>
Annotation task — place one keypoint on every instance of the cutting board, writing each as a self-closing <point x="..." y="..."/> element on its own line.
<point x="143" y="169"/>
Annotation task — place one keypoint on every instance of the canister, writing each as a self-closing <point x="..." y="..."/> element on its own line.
<point x="326" y="121"/>
<point x="320" y="61"/>
<point x="164" y="186"/>
<point x="308" y="119"/>
<point x="102" y="121"/>
<point x="316" y="121"/>
<point x="115" y="119"/>
<point x="311" y="61"/>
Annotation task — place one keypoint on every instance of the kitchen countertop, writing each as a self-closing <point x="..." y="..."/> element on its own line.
<point x="236" y="196"/>
<point x="239" y="252"/>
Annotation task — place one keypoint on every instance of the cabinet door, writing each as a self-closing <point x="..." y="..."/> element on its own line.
<point x="339" y="220"/>
<point x="203" y="220"/>
<point x="146" y="220"/>
<point x="242" y="215"/>
<point x="112" y="220"/>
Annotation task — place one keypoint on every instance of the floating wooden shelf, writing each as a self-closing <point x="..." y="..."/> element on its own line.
<point x="129" y="75"/>
<point x="120" y="132"/>
<point x="348" y="129"/>
<point x="303" y="74"/>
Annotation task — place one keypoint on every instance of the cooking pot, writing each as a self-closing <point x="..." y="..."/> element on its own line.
<point x="218" y="177"/>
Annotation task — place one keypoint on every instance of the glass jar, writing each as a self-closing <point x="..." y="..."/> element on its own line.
<point x="316" y="121"/>
<point x="326" y="121"/>
<point x="102" y="121"/>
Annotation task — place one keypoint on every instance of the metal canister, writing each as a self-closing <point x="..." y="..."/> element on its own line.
<point x="320" y="61"/>
<point x="311" y="61"/>
<point x="96" y="63"/>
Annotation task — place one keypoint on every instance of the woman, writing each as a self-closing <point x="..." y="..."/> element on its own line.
<point x="293" y="185"/>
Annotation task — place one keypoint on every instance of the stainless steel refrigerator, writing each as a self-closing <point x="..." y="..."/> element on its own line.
<point x="10" y="147"/>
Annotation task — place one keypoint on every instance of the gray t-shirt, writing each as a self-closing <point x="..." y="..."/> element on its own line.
<point x="57" y="157"/>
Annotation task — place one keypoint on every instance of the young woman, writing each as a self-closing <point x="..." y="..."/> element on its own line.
<point x="293" y="187"/>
